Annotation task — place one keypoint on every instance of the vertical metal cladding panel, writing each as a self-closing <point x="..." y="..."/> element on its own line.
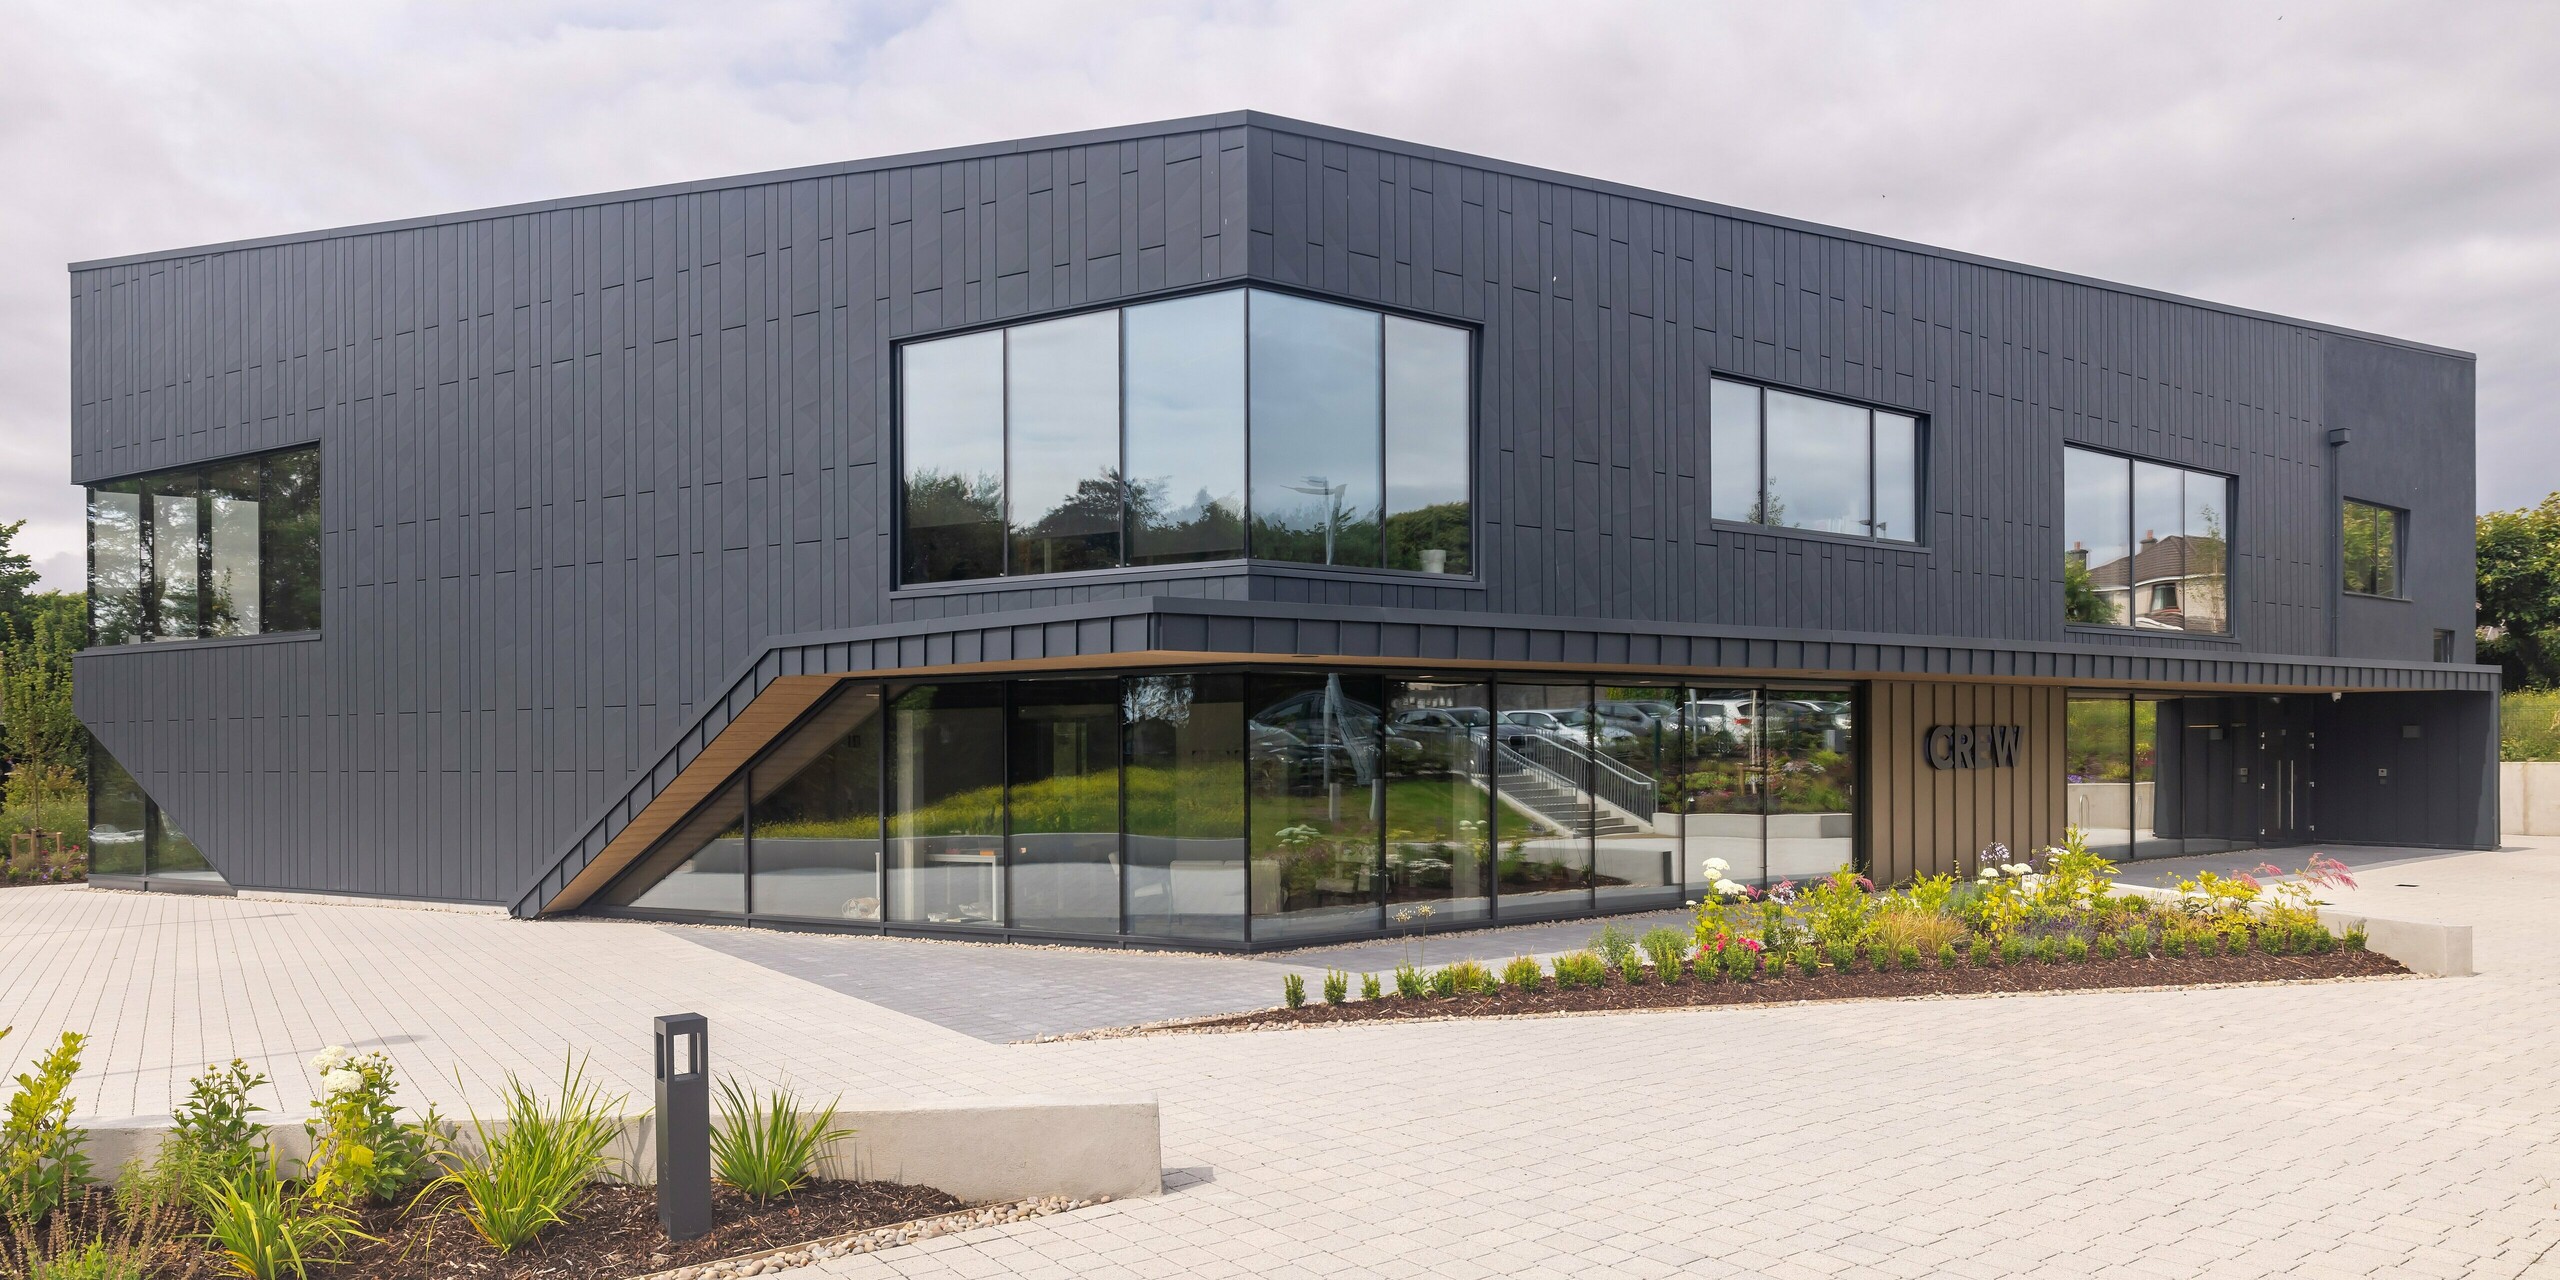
<point x="580" y="463"/>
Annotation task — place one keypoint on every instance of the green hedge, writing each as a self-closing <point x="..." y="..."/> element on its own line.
<point x="2529" y="725"/>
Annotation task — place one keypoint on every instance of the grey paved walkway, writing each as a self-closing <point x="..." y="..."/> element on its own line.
<point x="2390" y="1128"/>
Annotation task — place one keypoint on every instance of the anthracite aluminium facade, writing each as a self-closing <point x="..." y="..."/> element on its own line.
<point x="1234" y="532"/>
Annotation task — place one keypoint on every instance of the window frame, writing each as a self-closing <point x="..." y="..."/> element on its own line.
<point x="2230" y="633"/>
<point x="1921" y="439"/>
<point x="148" y="611"/>
<point x="2399" y="550"/>
<point x="1473" y="578"/>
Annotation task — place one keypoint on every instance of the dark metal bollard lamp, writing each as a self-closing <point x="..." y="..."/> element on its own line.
<point x="684" y="1125"/>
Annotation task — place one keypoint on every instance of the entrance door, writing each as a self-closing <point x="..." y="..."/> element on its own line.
<point x="2281" y="771"/>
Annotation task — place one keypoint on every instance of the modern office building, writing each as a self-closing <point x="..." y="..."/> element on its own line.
<point x="1233" y="532"/>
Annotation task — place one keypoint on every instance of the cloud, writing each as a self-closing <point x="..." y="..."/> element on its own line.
<point x="2387" y="168"/>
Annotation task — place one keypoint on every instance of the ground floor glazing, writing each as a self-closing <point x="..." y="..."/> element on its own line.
<point x="1260" y="808"/>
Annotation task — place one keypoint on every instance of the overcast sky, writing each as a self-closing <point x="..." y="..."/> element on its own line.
<point x="2391" y="168"/>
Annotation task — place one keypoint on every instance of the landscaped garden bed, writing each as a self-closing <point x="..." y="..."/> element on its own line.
<point x="383" y="1195"/>
<point x="2048" y="922"/>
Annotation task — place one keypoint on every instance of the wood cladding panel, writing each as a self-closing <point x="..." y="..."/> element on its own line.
<point x="1922" y="820"/>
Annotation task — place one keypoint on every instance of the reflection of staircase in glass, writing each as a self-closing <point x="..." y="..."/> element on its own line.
<point x="1553" y="797"/>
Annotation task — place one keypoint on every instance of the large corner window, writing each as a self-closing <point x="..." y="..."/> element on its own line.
<point x="229" y="549"/>
<point x="2144" y="545"/>
<point x="1210" y="427"/>
<point x="130" y="834"/>
<point x="1802" y="462"/>
<point x="2370" y="542"/>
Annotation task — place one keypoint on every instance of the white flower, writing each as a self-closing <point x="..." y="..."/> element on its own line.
<point x="1727" y="888"/>
<point x="1716" y="867"/>
<point x="332" y="1058"/>
<point x="1990" y="873"/>
<point x="340" y="1081"/>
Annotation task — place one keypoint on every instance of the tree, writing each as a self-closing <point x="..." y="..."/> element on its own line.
<point x="17" y="574"/>
<point x="2080" y="599"/>
<point x="2519" y="593"/>
<point x="38" y="731"/>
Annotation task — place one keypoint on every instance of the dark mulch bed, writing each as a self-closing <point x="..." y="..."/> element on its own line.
<point x="1830" y="984"/>
<point x="611" y="1235"/>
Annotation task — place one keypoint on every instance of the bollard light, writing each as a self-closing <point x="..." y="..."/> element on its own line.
<point x="684" y="1125"/>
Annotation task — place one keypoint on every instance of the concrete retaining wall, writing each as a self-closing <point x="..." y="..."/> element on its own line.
<point x="978" y="1150"/>
<point x="2529" y="797"/>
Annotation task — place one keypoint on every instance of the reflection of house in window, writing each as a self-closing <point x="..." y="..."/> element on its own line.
<point x="2179" y="580"/>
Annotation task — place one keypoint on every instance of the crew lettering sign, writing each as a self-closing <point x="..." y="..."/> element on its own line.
<point x="1974" y="746"/>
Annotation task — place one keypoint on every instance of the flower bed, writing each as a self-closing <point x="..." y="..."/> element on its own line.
<point x="2047" y="922"/>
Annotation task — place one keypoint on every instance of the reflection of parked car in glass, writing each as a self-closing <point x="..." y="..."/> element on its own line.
<point x="1589" y="727"/>
<point x="1730" y="716"/>
<point x="1440" y="727"/>
<point x="1542" y="723"/>
<point x="1637" y="716"/>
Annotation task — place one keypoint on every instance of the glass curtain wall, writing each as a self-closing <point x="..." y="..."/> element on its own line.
<point x="946" y="793"/>
<point x="1126" y="437"/>
<point x="816" y="854"/>
<point x="1638" y="756"/>
<point x="1438" y="764"/>
<point x="1184" y="749"/>
<point x="119" y="818"/>
<point x="2111" y="767"/>
<point x="1542" y="761"/>
<point x="1063" y="808"/>
<point x="1256" y="808"/>
<point x="227" y="549"/>
<point x="1808" y="750"/>
<point x="1805" y="462"/>
<point x="1316" y="794"/>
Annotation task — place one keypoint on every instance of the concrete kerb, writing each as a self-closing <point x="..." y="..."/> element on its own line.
<point x="980" y="1150"/>
<point x="2437" y="950"/>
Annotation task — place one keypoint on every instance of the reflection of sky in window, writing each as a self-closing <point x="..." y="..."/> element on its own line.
<point x="1426" y="414"/>
<point x="1064" y="380"/>
<point x="1186" y="403"/>
<point x="1897" y="477"/>
<point x="1817" y="464"/>
<point x="1315" y="410"/>
<point x="1734" y="464"/>
<point x="2095" y="513"/>
<point x="954" y="414"/>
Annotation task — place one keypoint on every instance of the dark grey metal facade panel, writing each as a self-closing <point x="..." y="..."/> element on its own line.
<point x="2393" y="404"/>
<point x="586" y="463"/>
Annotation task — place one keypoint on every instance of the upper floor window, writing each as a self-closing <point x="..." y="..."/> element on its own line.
<point x="2370" y="547"/>
<point x="227" y="549"/>
<point x="1216" y="426"/>
<point x="2144" y="545"/>
<point x="1775" y="457"/>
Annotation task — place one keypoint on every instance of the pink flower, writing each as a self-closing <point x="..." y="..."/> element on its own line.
<point x="1752" y="945"/>
<point x="2268" y="869"/>
<point x="2249" y="880"/>
<point x="1866" y="884"/>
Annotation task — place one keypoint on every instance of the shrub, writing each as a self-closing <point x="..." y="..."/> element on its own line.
<point x="360" y="1150"/>
<point x="1741" y="963"/>
<point x="1980" y="952"/>
<point x="211" y="1134"/>
<point x="2137" y="940"/>
<point x="765" y="1145"/>
<point x="1946" y="955"/>
<point x="2048" y="950"/>
<point x="1878" y="959"/>
<point x="1467" y="978"/>
<point x="1523" y="974"/>
<point x="40" y="1157"/>
<point x="2013" y="950"/>
<point x="1293" y="990"/>
<point x="1663" y="947"/>
<point x="1900" y="926"/>
<point x="523" y="1176"/>
<point x="264" y="1231"/>
<point x="1844" y="955"/>
<point x="1410" y="983"/>
<point x="1369" y="989"/>
<point x="1615" y="946"/>
<point x="1808" y="960"/>
<point x="2354" y="939"/>
<point x="1837" y="908"/>
<point x="2106" y="946"/>
<point x="1337" y="986"/>
<point x="2173" y="943"/>
<point x="1907" y="955"/>
<point x="2322" y="940"/>
<point x="1580" y="969"/>
<point x="1444" y="982"/>
<point x="2075" y="949"/>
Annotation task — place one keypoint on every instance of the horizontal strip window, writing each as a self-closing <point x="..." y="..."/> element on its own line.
<point x="2369" y="545"/>
<point x="1806" y="462"/>
<point x="1263" y="806"/>
<point x="2144" y="545"/>
<point x="231" y="548"/>
<point x="1216" y="426"/>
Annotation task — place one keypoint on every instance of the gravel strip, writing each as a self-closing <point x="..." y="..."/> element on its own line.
<point x="775" y="1261"/>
